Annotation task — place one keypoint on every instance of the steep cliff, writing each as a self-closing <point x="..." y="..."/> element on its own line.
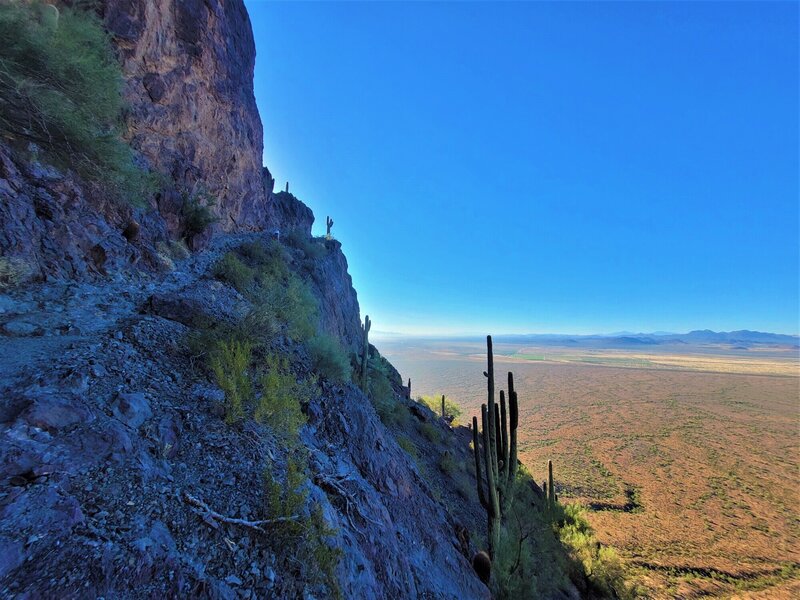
<point x="191" y="118"/>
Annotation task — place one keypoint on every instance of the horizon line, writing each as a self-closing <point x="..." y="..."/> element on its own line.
<point x="454" y="335"/>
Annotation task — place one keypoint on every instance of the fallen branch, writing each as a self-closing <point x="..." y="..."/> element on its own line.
<point x="207" y="512"/>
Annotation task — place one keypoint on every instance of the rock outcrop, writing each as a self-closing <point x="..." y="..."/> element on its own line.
<point x="51" y="226"/>
<point x="189" y="84"/>
<point x="191" y="117"/>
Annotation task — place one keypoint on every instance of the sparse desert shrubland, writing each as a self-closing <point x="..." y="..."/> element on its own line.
<point x="687" y="464"/>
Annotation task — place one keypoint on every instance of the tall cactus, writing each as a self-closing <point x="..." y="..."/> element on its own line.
<point x="444" y="412"/>
<point x="409" y="388"/>
<point x="328" y="225"/>
<point x="365" y="355"/>
<point x="551" y="489"/>
<point x="496" y="452"/>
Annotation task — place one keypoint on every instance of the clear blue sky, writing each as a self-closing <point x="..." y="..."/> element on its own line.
<point x="564" y="167"/>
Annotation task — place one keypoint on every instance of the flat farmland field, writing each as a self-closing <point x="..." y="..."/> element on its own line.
<point x="688" y="464"/>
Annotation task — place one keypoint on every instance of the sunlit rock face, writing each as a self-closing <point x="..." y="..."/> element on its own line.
<point x="189" y="85"/>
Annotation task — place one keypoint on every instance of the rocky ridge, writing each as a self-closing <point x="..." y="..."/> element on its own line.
<point x="108" y="429"/>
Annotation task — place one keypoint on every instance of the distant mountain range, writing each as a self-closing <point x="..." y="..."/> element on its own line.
<point x="742" y="338"/>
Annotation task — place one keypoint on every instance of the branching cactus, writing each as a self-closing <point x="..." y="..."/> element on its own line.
<point x="365" y="355"/>
<point x="495" y="452"/>
<point x="328" y="225"/>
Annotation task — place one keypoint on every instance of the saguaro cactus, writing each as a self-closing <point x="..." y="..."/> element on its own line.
<point x="409" y="388"/>
<point x="287" y="187"/>
<point x="444" y="412"/>
<point x="328" y="225"/>
<point x="365" y="355"/>
<point x="551" y="490"/>
<point x="496" y="451"/>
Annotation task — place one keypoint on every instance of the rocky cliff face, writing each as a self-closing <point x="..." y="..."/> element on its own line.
<point x="193" y="116"/>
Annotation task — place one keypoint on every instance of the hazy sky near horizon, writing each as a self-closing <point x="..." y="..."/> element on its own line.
<point x="544" y="167"/>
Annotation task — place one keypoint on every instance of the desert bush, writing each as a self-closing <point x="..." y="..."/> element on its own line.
<point x="391" y="411"/>
<point x="60" y="88"/>
<point x="430" y="432"/>
<point x="409" y="446"/>
<point x="229" y="361"/>
<point x="233" y="271"/>
<point x="287" y="498"/>
<point x="435" y="404"/>
<point x="328" y="358"/>
<point x="295" y="306"/>
<point x="306" y="536"/>
<point x="447" y="464"/>
<point x="312" y="247"/>
<point x="281" y="397"/>
<point x="268" y="259"/>
<point x="197" y="212"/>
<point x="600" y="564"/>
<point x="266" y="281"/>
<point x="514" y="566"/>
<point x="13" y="272"/>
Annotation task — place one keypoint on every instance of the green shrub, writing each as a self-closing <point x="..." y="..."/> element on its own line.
<point x="513" y="567"/>
<point x="13" y="272"/>
<point x="409" y="446"/>
<point x="305" y="538"/>
<point x="60" y="87"/>
<point x="600" y="564"/>
<point x="295" y="306"/>
<point x="447" y="463"/>
<point x="261" y="274"/>
<point x="258" y="326"/>
<point x="281" y="397"/>
<point x="197" y="212"/>
<point x="430" y="432"/>
<point x="268" y="260"/>
<point x="328" y="358"/>
<point x="389" y="409"/>
<point x="229" y="361"/>
<point x="312" y="247"/>
<point x="254" y="252"/>
<point x="233" y="271"/>
<point x="435" y="404"/>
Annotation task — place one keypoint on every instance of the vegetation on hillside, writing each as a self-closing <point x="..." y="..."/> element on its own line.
<point x="60" y="89"/>
<point x="451" y="409"/>
<point x="261" y="380"/>
<point x="537" y="546"/>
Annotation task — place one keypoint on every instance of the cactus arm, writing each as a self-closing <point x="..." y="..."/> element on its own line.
<point x="478" y="474"/>
<point x="511" y="471"/>
<point x="504" y="434"/>
<point x="493" y="510"/>
<point x="498" y="443"/>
